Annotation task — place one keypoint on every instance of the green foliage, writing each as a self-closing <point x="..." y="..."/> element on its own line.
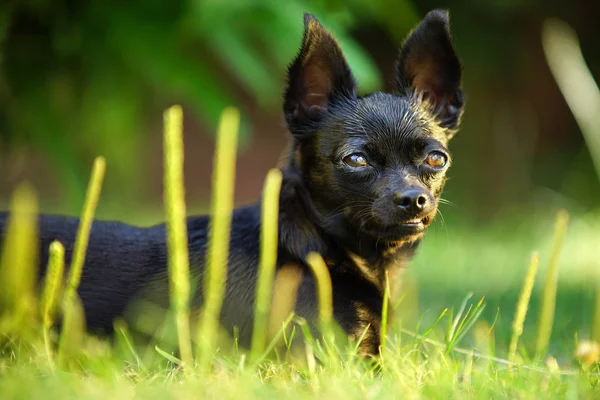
<point x="80" y="78"/>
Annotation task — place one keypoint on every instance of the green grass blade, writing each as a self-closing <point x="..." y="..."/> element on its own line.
<point x="325" y="295"/>
<point x="384" y="313"/>
<point x="73" y="331"/>
<point x="275" y="339"/>
<point x="522" y="306"/>
<point x="52" y="282"/>
<point x="220" y="224"/>
<point x="454" y="322"/>
<point x="51" y="292"/>
<point x="125" y="337"/>
<point x="85" y="226"/>
<point x="595" y="334"/>
<point x="73" y="319"/>
<point x="169" y="357"/>
<point x="356" y="347"/>
<point x="435" y="323"/>
<point x="268" y="260"/>
<point x="19" y="264"/>
<point x="467" y="323"/>
<point x="177" y="244"/>
<point x="550" y="286"/>
<point x="323" y="280"/>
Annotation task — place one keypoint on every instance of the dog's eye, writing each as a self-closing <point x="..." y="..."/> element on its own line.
<point x="355" y="160"/>
<point x="436" y="159"/>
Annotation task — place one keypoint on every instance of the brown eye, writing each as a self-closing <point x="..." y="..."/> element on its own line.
<point x="356" y="160"/>
<point x="436" y="159"/>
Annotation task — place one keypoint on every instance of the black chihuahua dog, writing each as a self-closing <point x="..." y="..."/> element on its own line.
<point x="361" y="185"/>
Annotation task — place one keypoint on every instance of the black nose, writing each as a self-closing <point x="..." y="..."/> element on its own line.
<point x="414" y="200"/>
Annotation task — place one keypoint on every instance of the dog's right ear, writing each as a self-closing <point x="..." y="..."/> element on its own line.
<point x="316" y="79"/>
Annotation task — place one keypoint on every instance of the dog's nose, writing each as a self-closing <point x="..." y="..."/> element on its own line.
<point x="415" y="200"/>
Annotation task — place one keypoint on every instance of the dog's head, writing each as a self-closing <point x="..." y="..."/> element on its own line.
<point x="375" y="165"/>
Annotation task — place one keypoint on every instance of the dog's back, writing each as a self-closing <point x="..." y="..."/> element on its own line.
<point x="124" y="263"/>
<point x="120" y="258"/>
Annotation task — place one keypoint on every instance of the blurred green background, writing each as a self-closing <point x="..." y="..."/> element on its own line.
<point x="85" y="78"/>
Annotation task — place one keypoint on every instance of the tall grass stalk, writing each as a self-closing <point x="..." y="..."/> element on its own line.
<point x="177" y="243"/>
<point x="51" y="292"/>
<point x="72" y="332"/>
<point x="564" y="57"/>
<point x="85" y="226"/>
<point x="18" y="264"/>
<point x="550" y="286"/>
<point x="595" y="334"/>
<point x="73" y="316"/>
<point x="523" y="305"/>
<point x="385" y="313"/>
<point x="268" y="260"/>
<point x="325" y="295"/>
<point x="220" y="223"/>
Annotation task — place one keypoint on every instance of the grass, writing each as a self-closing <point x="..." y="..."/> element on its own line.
<point x="463" y="288"/>
<point x="220" y="223"/>
<point x="51" y="293"/>
<point x="550" y="286"/>
<point x="268" y="261"/>
<point x="179" y="269"/>
<point x="522" y="305"/>
<point x="459" y="346"/>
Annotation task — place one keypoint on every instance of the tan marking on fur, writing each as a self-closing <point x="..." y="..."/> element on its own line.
<point x="394" y="246"/>
<point x="363" y="267"/>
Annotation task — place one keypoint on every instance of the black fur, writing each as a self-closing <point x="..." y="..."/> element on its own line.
<point x="357" y="189"/>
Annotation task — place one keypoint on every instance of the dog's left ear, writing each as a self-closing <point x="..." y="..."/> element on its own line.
<point x="429" y="66"/>
<point x="317" y="79"/>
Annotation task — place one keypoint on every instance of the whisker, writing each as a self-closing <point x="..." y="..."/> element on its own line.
<point x="443" y="221"/>
<point x="445" y="201"/>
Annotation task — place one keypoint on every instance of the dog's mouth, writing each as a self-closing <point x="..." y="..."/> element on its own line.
<point x="403" y="230"/>
<point x="419" y="222"/>
<point x="411" y="227"/>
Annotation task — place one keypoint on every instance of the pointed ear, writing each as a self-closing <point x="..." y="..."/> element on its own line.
<point x="429" y="66"/>
<point x="317" y="78"/>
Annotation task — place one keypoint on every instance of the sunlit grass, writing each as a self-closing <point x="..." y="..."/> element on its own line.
<point x="268" y="260"/>
<point x="52" y="292"/>
<point x="220" y="224"/>
<point x="550" y="286"/>
<point x="441" y="358"/>
<point x="523" y="305"/>
<point x="18" y="264"/>
<point x="177" y="243"/>
<point x="85" y="226"/>
<point x="73" y="327"/>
